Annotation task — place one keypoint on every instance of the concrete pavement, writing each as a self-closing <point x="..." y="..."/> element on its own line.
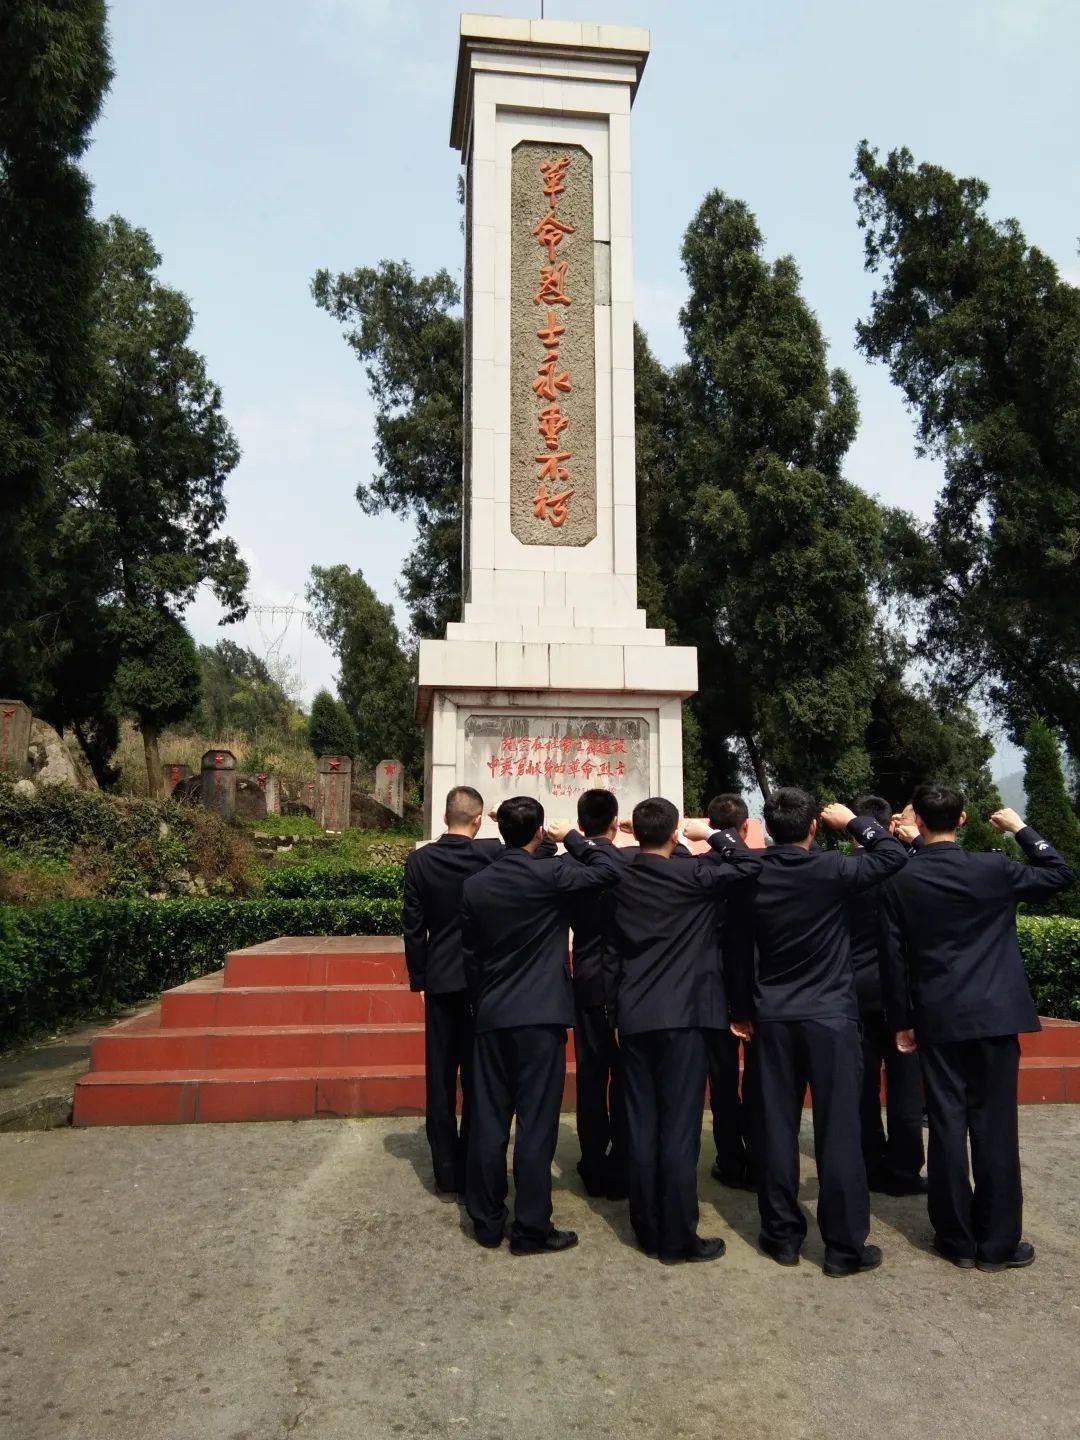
<point x="250" y="1282"/>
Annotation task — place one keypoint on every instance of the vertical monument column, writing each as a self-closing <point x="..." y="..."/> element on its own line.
<point x="551" y="683"/>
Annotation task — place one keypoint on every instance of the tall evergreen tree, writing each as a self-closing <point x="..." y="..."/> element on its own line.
<point x="143" y="492"/>
<point x="408" y="335"/>
<point x="1049" y="809"/>
<point x="54" y="71"/>
<point x="983" y="337"/>
<point x="375" y="680"/>
<point x="764" y="548"/>
<point x="330" y="727"/>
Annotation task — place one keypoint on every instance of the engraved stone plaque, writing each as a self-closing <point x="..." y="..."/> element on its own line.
<point x="552" y="346"/>
<point x="556" y="757"/>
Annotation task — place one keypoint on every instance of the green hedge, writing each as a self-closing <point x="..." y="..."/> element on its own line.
<point x="344" y="882"/>
<point x="67" y="958"/>
<point x="1050" y="945"/>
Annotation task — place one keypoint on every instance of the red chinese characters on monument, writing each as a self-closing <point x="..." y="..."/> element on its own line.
<point x="551" y="381"/>
<point x="569" y="763"/>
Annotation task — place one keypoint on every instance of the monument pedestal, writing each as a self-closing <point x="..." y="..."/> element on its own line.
<point x="551" y="683"/>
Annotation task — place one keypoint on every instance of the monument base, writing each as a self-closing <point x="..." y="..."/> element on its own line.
<point x="598" y="714"/>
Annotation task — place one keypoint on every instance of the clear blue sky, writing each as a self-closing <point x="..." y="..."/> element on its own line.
<point x="259" y="139"/>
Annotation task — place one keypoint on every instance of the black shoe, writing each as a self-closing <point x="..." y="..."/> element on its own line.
<point x="870" y="1259"/>
<point x="1023" y="1255"/>
<point x="553" y="1241"/>
<point x="701" y="1249"/>
<point x="733" y="1179"/>
<point x="962" y="1262"/>
<point x="893" y="1185"/>
<point x="488" y="1242"/>
<point x="774" y="1252"/>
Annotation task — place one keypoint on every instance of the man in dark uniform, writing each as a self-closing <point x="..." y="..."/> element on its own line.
<point x="434" y="877"/>
<point x="730" y="1111"/>
<point x="601" y="1114"/>
<point x="663" y="982"/>
<point x="955" y="988"/>
<point x="894" y="1159"/>
<point x="515" y="932"/>
<point x="801" y="1012"/>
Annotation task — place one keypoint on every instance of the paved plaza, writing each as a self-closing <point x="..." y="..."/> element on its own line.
<point x="250" y="1282"/>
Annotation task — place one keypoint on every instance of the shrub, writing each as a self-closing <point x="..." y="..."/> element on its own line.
<point x="346" y="882"/>
<point x="64" y="959"/>
<point x="1050" y="810"/>
<point x="114" y="846"/>
<point x="1050" y="945"/>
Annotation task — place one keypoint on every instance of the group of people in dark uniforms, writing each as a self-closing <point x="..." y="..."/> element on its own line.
<point x="825" y="966"/>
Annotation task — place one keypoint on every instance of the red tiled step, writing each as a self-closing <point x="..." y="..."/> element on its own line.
<point x="1058" y="1038"/>
<point x="257" y="1047"/>
<point x="154" y="1097"/>
<point x="207" y="1002"/>
<point x="315" y="960"/>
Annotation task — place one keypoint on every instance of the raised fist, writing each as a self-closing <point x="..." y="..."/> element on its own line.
<point x="837" y="817"/>
<point x="1007" y="821"/>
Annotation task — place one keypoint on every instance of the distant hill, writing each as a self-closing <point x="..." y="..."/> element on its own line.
<point x="1012" y="790"/>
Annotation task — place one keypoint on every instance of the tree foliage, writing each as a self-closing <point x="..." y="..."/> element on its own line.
<point x="920" y="732"/>
<point x="241" y="695"/>
<point x="759" y="551"/>
<point x="1049" y="808"/>
<point x="54" y="71"/>
<point x="330" y="727"/>
<point x="983" y="337"/>
<point x="376" y="672"/>
<point x="142" y="488"/>
<point x="407" y="334"/>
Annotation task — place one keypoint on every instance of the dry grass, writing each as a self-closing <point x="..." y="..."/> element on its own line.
<point x="287" y="762"/>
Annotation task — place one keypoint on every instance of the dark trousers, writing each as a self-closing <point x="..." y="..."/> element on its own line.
<point x="971" y="1095"/>
<point x="448" y="1045"/>
<point x="827" y="1056"/>
<point x="520" y="1073"/>
<point x="897" y="1155"/>
<point x="730" y="1125"/>
<point x="601" y="1111"/>
<point x="664" y="1076"/>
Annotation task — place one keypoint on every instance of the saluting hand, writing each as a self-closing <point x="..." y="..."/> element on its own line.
<point x="1008" y="821"/>
<point x="558" y="830"/>
<point x="626" y="826"/>
<point x="837" y="817"/>
<point x="907" y="833"/>
<point x="696" y="829"/>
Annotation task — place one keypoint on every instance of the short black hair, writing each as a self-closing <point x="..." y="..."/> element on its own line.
<point x="789" y="813"/>
<point x="875" y="807"/>
<point x="518" y="819"/>
<point x="939" y="807"/>
<point x="463" y="804"/>
<point x="655" y="821"/>
<point x="596" y="810"/>
<point x="728" y="812"/>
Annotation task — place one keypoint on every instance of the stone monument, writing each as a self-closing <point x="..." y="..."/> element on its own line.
<point x="334" y="792"/>
<point x="15" y="722"/>
<point x="218" y="776"/>
<point x="390" y="785"/>
<point x="551" y="683"/>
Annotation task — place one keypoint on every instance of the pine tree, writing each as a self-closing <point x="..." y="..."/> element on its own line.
<point x="330" y="727"/>
<point x="1049" y="810"/>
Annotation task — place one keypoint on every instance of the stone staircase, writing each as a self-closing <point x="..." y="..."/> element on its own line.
<point x="327" y="1026"/>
